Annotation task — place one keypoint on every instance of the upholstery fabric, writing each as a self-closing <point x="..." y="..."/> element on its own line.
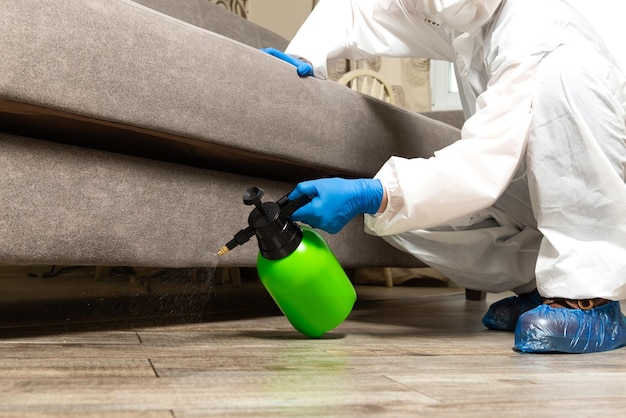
<point x="454" y="118"/>
<point x="71" y="205"/>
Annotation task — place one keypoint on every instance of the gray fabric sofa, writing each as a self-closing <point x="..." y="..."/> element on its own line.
<point x="129" y="131"/>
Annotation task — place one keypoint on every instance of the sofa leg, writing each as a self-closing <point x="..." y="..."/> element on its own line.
<point x="388" y="277"/>
<point x="228" y="274"/>
<point x="235" y="276"/>
<point x="102" y="272"/>
<point x="475" y="295"/>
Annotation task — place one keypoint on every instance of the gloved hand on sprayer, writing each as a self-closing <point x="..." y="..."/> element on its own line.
<point x="336" y="201"/>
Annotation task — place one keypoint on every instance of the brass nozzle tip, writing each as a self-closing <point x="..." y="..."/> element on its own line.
<point x="223" y="250"/>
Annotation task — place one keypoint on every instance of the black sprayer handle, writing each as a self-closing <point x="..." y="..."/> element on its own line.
<point x="288" y="207"/>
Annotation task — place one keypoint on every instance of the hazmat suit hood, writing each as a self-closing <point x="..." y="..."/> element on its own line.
<point x="458" y="15"/>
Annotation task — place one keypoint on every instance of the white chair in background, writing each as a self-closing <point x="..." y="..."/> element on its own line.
<point x="368" y="82"/>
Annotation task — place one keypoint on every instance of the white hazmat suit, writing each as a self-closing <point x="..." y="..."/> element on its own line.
<point x="535" y="188"/>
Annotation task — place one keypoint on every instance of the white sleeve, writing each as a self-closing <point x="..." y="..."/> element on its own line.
<point x="470" y="174"/>
<point x="360" y="29"/>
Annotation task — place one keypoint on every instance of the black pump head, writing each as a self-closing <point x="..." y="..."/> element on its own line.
<point x="277" y="235"/>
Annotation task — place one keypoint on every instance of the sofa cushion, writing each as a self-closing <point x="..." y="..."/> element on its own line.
<point x="69" y="205"/>
<point x="116" y="75"/>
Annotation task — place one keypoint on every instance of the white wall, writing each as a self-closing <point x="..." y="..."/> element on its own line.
<point x="283" y="17"/>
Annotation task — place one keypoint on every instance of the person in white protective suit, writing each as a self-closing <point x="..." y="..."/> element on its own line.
<point x="532" y="198"/>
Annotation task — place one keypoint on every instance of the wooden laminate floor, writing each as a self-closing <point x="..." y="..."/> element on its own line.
<point x="403" y="352"/>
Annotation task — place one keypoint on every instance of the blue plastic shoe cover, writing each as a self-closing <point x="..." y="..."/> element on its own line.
<point x="503" y="314"/>
<point x="563" y="330"/>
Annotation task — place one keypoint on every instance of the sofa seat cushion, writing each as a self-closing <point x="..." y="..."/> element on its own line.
<point x="69" y="205"/>
<point x="119" y="76"/>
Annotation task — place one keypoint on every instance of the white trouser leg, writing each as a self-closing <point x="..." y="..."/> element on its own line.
<point x="494" y="250"/>
<point x="576" y="170"/>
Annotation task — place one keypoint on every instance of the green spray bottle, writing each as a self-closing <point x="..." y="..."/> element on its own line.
<point x="296" y="266"/>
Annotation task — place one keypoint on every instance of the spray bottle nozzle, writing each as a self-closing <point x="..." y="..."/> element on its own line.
<point x="240" y="238"/>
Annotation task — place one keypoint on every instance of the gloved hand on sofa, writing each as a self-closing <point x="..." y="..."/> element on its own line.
<point x="303" y="68"/>
<point x="336" y="201"/>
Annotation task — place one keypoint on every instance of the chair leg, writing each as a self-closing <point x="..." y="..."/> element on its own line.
<point x="475" y="294"/>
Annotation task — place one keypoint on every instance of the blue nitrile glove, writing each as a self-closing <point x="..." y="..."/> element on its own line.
<point x="303" y="68"/>
<point x="335" y="201"/>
